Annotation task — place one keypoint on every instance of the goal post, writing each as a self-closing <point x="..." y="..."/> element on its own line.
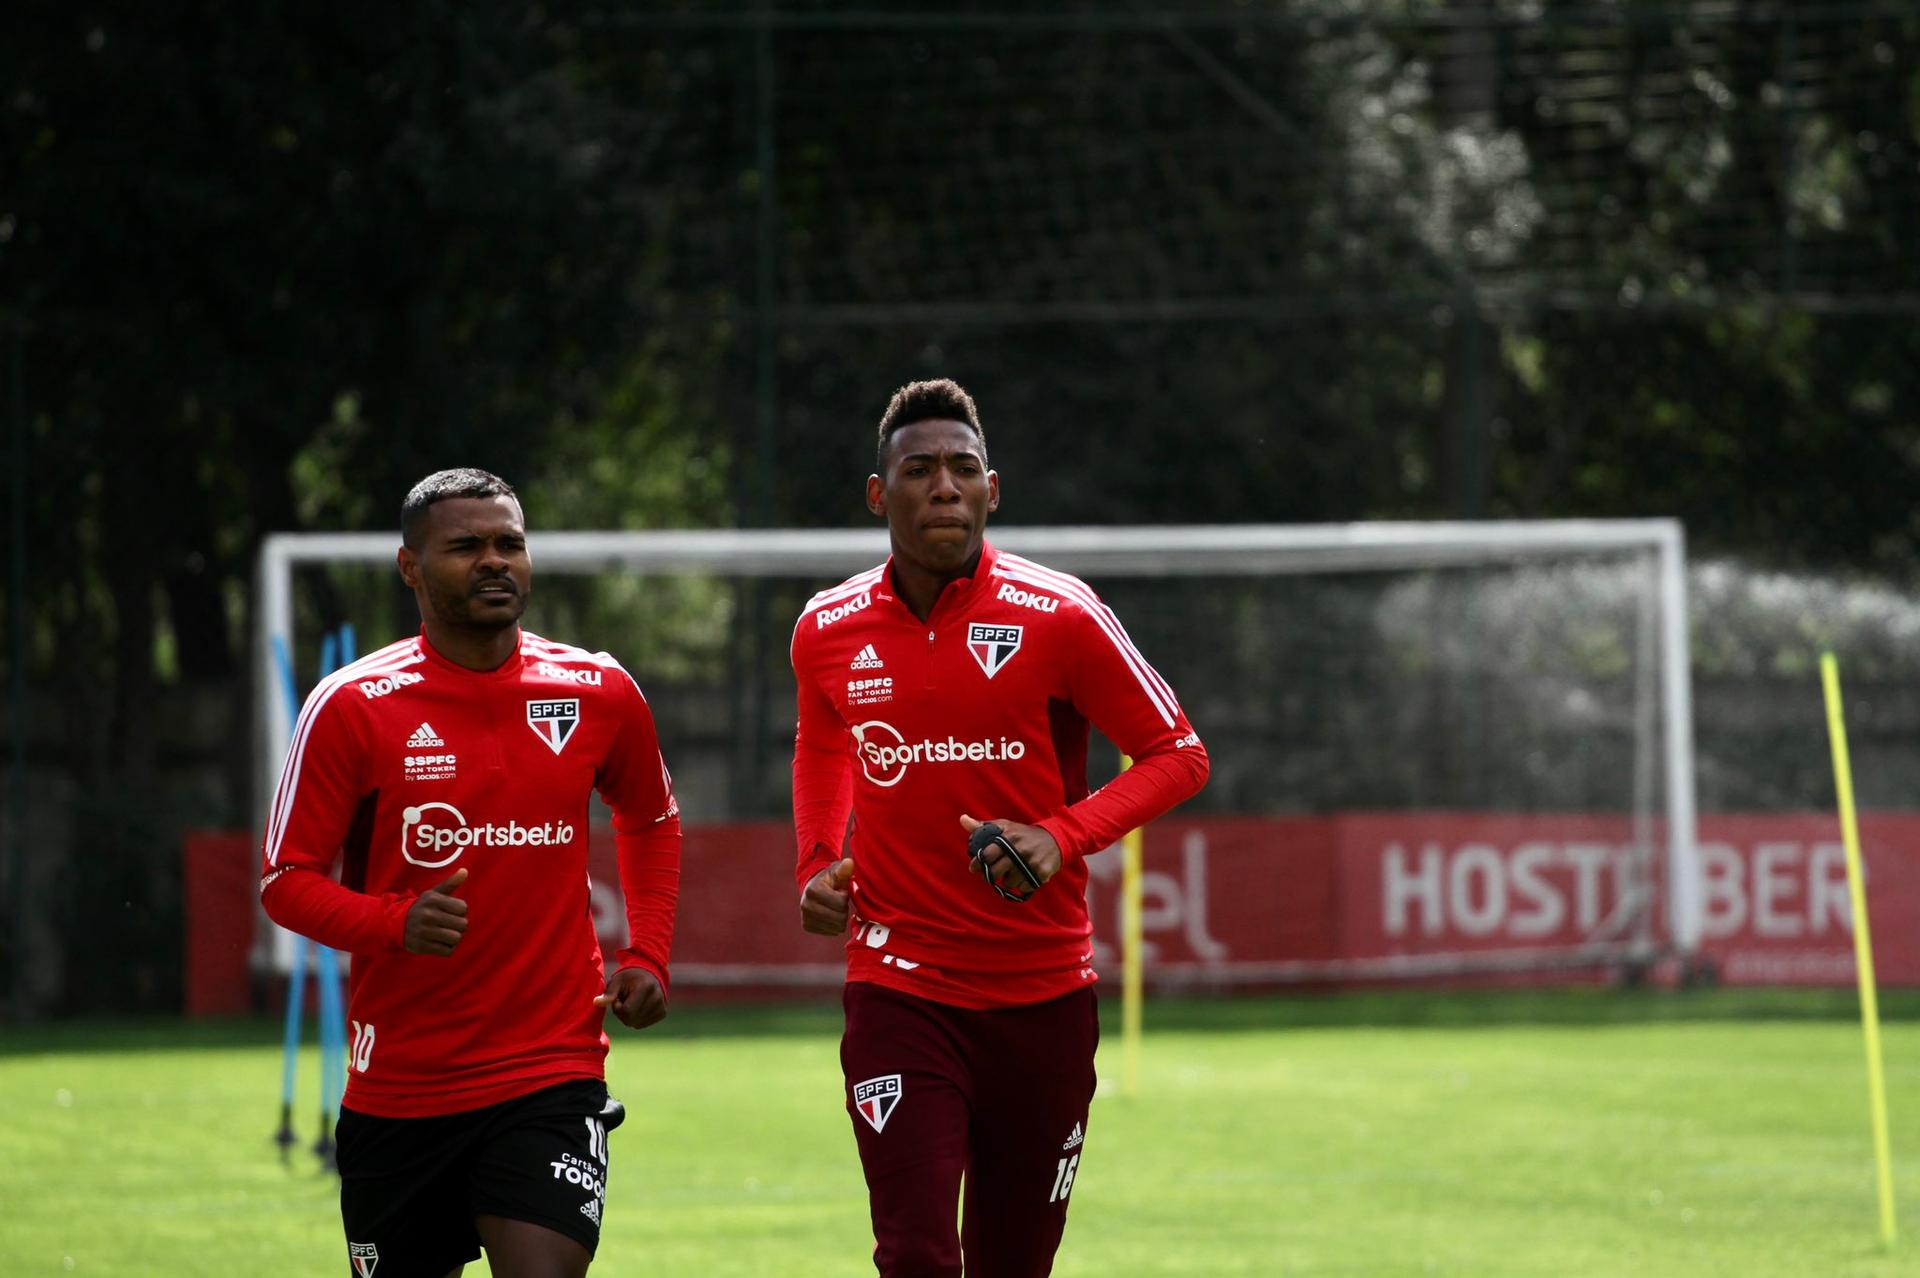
<point x="1203" y="560"/>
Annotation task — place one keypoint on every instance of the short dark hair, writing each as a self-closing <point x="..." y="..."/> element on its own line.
<point x="441" y="485"/>
<point x="942" y="400"/>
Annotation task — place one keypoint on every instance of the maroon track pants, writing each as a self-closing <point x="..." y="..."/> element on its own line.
<point x="999" y="1097"/>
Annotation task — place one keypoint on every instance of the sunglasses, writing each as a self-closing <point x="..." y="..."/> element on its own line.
<point x="985" y="836"/>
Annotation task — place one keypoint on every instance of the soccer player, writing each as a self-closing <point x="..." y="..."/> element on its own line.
<point x="944" y="697"/>
<point x="449" y="776"/>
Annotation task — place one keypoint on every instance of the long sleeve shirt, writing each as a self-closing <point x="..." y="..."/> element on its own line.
<point x="983" y="708"/>
<point x="406" y="767"/>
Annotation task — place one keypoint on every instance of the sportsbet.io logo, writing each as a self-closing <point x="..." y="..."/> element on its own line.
<point x="446" y="837"/>
<point x="885" y="754"/>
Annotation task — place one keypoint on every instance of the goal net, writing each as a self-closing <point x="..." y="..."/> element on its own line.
<point x="1446" y="749"/>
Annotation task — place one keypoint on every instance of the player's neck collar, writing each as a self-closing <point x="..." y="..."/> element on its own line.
<point x="507" y="667"/>
<point x="957" y="587"/>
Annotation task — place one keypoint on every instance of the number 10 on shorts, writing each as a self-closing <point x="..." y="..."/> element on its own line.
<point x="1063" y="1178"/>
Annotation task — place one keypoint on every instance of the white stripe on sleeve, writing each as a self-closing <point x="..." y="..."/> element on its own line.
<point x="384" y="662"/>
<point x="1149" y="679"/>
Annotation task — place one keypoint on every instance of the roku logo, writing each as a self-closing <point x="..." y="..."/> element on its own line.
<point x="1014" y="595"/>
<point x="371" y="688"/>
<point x="827" y="616"/>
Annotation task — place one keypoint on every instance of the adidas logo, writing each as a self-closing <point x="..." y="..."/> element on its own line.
<point x="423" y="736"/>
<point x="1073" y="1141"/>
<point x="866" y="659"/>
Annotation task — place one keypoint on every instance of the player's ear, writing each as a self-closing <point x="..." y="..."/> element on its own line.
<point x="993" y="491"/>
<point x="409" y="565"/>
<point x="876" y="496"/>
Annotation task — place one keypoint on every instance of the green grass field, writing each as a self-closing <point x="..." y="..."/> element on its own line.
<point x="1578" y="1133"/>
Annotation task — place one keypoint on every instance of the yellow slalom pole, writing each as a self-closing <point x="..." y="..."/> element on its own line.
<point x="1862" y="943"/>
<point x="1130" y="963"/>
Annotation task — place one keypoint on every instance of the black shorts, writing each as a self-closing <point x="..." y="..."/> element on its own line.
<point x="411" y="1187"/>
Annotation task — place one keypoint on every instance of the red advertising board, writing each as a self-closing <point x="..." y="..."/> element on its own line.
<point x="1775" y="896"/>
<point x="220" y="881"/>
<point x="1380" y="895"/>
<point x="1235" y="901"/>
<point x="1439" y="883"/>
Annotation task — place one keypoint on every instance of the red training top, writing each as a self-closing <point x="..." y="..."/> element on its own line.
<point x="405" y="768"/>
<point x="981" y="709"/>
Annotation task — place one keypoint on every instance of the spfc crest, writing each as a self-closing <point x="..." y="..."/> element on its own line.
<point x="993" y="646"/>
<point x="554" y="721"/>
<point x="364" y="1256"/>
<point x="877" y="1098"/>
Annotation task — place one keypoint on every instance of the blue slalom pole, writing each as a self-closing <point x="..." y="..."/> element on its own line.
<point x="326" y="974"/>
<point x="336" y="650"/>
<point x="332" y="1051"/>
<point x="296" y="992"/>
<point x="296" y="980"/>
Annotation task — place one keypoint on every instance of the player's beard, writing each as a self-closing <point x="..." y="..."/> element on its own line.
<point x="456" y="608"/>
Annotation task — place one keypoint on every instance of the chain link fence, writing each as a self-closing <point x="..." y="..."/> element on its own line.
<point x="1285" y="262"/>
